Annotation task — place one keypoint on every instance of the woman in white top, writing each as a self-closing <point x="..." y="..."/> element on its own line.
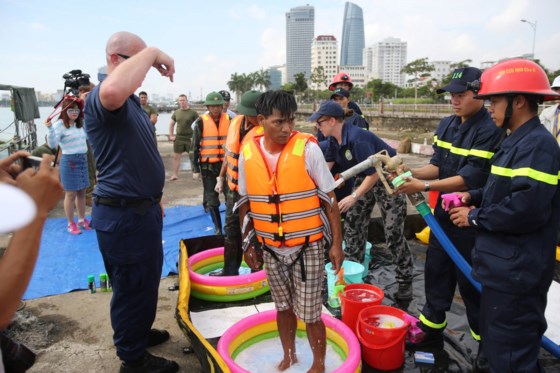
<point x="68" y="133"/>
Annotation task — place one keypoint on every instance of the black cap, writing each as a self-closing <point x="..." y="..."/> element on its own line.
<point x="329" y="109"/>
<point x="460" y="79"/>
<point x="340" y="92"/>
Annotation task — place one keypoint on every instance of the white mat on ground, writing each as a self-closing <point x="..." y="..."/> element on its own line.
<point x="213" y="323"/>
<point x="552" y="313"/>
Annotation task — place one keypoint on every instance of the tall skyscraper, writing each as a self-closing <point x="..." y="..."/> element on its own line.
<point x="324" y="52"/>
<point x="275" y="76"/>
<point x="353" y="39"/>
<point x="385" y="60"/>
<point x="300" y="29"/>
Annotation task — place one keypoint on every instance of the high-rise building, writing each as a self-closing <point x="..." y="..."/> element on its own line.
<point x="385" y="60"/>
<point x="324" y="53"/>
<point x="300" y="29"/>
<point x="441" y="70"/>
<point x="358" y="74"/>
<point x="275" y="76"/>
<point x="353" y="39"/>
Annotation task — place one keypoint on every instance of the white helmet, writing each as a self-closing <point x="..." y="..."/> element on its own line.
<point x="556" y="82"/>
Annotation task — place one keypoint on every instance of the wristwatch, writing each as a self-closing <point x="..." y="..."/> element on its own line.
<point x="355" y="195"/>
<point x="426" y="187"/>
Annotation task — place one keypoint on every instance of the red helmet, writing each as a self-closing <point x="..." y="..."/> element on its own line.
<point x="341" y="77"/>
<point x="515" y="76"/>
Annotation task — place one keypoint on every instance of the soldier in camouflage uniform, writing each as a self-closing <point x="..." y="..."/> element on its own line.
<point x="242" y="128"/>
<point x="347" y="146"/>
<point x="209" y="137"/>
<point x="393" y="214"/>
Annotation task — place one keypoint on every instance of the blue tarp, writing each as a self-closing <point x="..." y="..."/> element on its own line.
<point x="65" y="261"/>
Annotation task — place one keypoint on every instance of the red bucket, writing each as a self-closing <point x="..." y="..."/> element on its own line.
<point x="355" y="298"/>
<point x="387" y="356"/>
<point x="380" y="335"/>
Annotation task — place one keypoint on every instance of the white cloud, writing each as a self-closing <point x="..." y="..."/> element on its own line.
<point x="272" y="49"/>
<point x="510" y="17"/>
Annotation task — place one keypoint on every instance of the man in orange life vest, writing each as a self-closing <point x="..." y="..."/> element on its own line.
<point x="209" y="137"/>
<point x="287" y="203"/>
<point x="242" y="128"/>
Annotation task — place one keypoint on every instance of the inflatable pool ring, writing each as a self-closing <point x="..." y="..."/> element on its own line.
<point x="222" y="288"/>
<point x="261" y="326"/>
<point x="424" y="235"/>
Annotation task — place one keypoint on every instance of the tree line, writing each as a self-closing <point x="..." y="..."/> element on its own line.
<point x="307" y="89"/>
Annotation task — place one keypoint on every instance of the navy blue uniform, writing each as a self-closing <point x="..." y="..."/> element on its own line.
<point x="462" y="149"/>
<point x="356" y="146"/>
<point x="514" y="254"/>
<point x="127" y="216"/>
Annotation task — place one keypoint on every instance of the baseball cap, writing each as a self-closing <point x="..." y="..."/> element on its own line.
<point x="460" y="78"/>
<point x="340" y="92"/>
<point x="327" y="108"/>
<point x="17" y="209"/>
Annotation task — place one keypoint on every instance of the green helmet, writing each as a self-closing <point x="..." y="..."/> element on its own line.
<point x="214" y="98"/>
<point x="247" y="104"/>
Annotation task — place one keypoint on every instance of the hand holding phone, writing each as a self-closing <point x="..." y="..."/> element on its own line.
<point x="31" y="161"/>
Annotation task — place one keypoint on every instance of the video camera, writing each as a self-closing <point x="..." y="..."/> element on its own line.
<point x="73" y="80"/>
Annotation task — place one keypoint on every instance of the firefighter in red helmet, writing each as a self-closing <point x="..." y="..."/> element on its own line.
<point x="343" y="80"/>
<point x="516" y="215"/>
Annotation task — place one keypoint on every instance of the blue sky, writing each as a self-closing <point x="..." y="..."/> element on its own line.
<point x="210" y="40"/>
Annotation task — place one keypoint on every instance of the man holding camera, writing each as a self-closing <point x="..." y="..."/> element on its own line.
<point x="126" y="212"/>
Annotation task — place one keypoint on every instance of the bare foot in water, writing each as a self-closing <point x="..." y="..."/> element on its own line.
<point x="287" y="362"/>
<point x="314" y="369"/>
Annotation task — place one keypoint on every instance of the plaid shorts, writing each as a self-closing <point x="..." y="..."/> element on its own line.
<point x="287" y="287"/>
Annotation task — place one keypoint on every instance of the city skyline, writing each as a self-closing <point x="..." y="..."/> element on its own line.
<point x="41" y="45"/>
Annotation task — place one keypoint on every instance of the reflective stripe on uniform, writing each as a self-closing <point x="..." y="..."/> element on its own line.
<point x="430" y="324"/>
<point x="527" y="172"/>
<point x="475" y="336"/>
<point x="464" y="152"/>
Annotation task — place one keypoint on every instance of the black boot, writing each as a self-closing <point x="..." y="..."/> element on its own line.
<point x="405" y="292"/>
<point x="481" y="364"/>
<point x="233" y="255"/>
<point x="216" y="219"/>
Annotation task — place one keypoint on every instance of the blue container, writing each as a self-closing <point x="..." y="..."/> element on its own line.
<point x="367" y="258"/>
<point x="352" y="274"/>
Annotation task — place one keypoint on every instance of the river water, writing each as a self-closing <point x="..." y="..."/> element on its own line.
<point x="7" y="117"/>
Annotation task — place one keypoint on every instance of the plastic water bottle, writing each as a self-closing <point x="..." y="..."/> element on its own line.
<point x="91" y="284"/>
<point x="103" y="282"/>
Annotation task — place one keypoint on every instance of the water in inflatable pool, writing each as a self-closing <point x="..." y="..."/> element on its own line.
<point x="263" y="357"/>
<point x="242" y="271"/>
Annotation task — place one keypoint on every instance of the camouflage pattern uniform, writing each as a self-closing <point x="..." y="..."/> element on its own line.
<point x="393" y="213"/>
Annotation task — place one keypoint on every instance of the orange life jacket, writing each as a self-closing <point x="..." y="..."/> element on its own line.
<point x="233" y="147"/>
<point x="284" y="203"/>
<point x="213" y="138"/>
